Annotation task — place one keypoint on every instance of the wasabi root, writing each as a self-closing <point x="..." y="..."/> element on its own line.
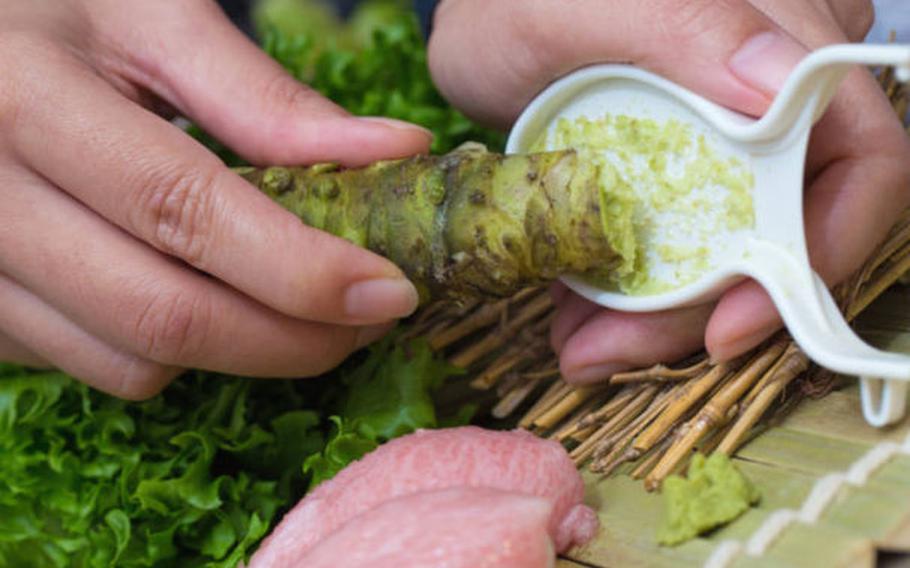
<point x="467" y="224"/>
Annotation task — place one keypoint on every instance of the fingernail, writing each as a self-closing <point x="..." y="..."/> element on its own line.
<point x="396" y="124"/>
<point x="380" y="299"/>
<point x="371" y="333"/>
<point x="766" y="60"/>
<point x="595" y="373"/>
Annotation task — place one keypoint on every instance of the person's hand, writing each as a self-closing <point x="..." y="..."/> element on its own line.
<point x="491" y="58"/>
<point x="129" y="252"/>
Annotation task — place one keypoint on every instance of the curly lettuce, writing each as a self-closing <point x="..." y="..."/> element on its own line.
<point x="197" y="475"/>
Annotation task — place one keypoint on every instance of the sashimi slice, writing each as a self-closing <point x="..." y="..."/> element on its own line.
<point x="450" y="528"/>
<point x="515" y="461"/>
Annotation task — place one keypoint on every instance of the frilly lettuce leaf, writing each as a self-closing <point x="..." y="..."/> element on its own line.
<point x="391" y="393"/>
<point x="89" y="480"/>
<point x="344" y="446"/>
<point x="197" y="475"/>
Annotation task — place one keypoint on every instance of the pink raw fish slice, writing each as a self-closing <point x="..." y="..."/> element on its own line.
<point x="451" y="528"/>
<point x="514" y="461"/>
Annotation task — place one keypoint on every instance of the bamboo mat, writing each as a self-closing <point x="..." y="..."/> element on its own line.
<point x="820" y="437"/>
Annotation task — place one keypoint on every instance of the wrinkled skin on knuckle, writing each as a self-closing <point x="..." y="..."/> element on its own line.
<point x="285" y="92"/>
<point x="680" y="20"/>
<point x="177" y="204"/>
<point x="171" y="326"/>
<point x="710" y="24"/>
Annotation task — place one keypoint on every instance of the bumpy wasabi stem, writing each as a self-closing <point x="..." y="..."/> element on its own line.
<point x="466" y="224"/>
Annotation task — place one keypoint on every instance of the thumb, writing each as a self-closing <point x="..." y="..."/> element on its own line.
<point x="191" y="55"/>
<point x="725" y="50"/>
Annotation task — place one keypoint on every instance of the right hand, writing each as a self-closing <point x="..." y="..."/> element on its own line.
<point x="127" y="251"/>
<point x="490" y="59"/>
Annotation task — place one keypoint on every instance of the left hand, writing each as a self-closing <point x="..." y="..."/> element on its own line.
<point x="491" y="59"/>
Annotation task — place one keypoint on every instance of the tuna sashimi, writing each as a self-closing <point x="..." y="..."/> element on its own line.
<point x="450" y="528"/>
<point x="515" y="461"/>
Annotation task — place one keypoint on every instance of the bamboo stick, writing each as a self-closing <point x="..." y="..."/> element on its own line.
<point x="569" y="430"/>
<point x="556" y="391"/>
<point x="505" y="363"/>
<point x="714" y="413"/>
<point x="651" y="458"/>
<point x="564" y="407"/>
<point x="611" y="407"/>
<point x="508" y="403"/>
<point x="485" y="316"/>
<point x="689" y="394"/>
<point x="494" y="340"/>
<point x="660" y="373"/>
<point x="608" y="458"/>
<point x="771" y="357"/>
<point x="545" y="374"/>
<point x="790" y="366"/>
<point x="623" y="417"/>
<point x="885" y="281"/>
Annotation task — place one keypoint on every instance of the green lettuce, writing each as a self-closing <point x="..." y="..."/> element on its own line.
<point x="391" y="393"/>
<point x="388" y="395"/>
<point x="197" y="475"/>
<point x="387" y="76"/>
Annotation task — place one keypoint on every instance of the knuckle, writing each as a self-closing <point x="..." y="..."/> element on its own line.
<point x="682" y="22"/>
<point x="23" y="66"/>
<point x="172" y="327"/>
<point x="284" y="92"/>
<point x="178" y="206"/>
<point x="675" y="18"/>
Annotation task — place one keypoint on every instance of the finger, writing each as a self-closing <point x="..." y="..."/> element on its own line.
<point x="54" y="338"/>
<point x="571" y="313"/>
<point x="11" y="351"/>
<point x="150" y="178"/>
<point x="726" y="50"/>
<point x="138" y="300"/>
<point x="850" y="19"/>
<point x="197" y="59"/>
<point x="855" y="17"/>
<point x="558" y="292"/>
<point x="822" y="23"/>
<point x="610" y="342"/>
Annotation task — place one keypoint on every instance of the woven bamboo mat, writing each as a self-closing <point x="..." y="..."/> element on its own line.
<point x="818" y="438"/>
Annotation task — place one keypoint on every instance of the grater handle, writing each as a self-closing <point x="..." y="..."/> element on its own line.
<point x="811" y="86"/>
<point x="817" y="326"/>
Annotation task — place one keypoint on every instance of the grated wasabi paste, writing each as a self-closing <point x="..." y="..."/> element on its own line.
<point x="714" y="493"/>
<point x="675" y="191"/>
